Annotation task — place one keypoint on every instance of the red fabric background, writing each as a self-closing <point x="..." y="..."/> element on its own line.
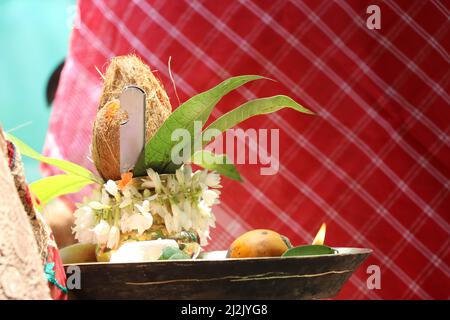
<point x="373" y="163"/>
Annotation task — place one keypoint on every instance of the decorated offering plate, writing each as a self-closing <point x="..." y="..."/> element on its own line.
<point x="142" y="226"/>
<point x="214" y="277"/>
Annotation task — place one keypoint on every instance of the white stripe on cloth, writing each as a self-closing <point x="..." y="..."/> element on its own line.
<point x="360" y="23"/>
<point x="419" y="30"/>
<point x="406" y="105"/>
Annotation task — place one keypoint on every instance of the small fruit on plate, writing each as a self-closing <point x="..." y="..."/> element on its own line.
<point x="78" y="253"/>
<point x="172" y="253"/>
<point x="259" y="243"/>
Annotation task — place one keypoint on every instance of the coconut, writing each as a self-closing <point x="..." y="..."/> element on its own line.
<point x="106" y="140"/>
<point x="123" y="71"/>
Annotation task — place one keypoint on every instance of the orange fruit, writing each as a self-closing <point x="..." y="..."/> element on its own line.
<point x="258" y="243"/>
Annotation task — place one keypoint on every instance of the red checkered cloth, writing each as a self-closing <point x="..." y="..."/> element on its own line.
<point x="373" y="163"/>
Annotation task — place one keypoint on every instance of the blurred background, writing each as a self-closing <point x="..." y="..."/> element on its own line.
<point x="44" y="31"/>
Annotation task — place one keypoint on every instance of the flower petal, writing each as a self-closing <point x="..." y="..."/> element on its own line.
<point x="112" y="188"/>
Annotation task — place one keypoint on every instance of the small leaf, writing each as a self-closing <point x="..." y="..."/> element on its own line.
<point x="308" y="250"/>
<point x="66" y="166"/>
<point x="254" y="108"/>
<point x="172" y="253"/>
<point x="49" y="188"/>
<point x="179" y="256"/>
<point x="157" y="153"/>
<point x="219" y="163"/>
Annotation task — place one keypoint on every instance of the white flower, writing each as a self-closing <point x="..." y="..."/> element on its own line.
<point x="184" y="175"/>
<point x="84" y="222"/>
<point x="97" y="205"/>
<point x="147" y="183"/>
<point x="180" y="218"/>
<point x="84" y="235"/>
<point x="168" y="221"/>
<point x="180" y="177"/>
<point x="203" y="221"/>
<point x="212" y="180"/>
<point x="101" y="231"/>
<point x="113" y="238"/>
<point x="126" y="202"/>
<point x="139" y="222"/>
<point x="210" y="196"/>
<point x="130" y="191"/>
<point x="112" y="188"/>
<point x="84" y="217"/>
<point x="155" y="179"/>
<point x="145" y="208"/>
<point x="159" y="209"/>
<point x="187" y="211"/>
<point x="124" y="227"/>
<point x="204" y="236"/>
<point x="105" y="199"/>
<point x="183" y="200"/>
<point x="204" y="209"/>
<point x="172" y="185"/>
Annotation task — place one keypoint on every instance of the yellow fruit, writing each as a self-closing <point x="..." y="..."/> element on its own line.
<point x="103" y="255"/>
<point x="78" y="253"/>
<point x="258" y="243"/>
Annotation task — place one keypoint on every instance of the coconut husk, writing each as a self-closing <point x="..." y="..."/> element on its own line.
<point x="106" y="140"/>
<point x="123" y="71"/>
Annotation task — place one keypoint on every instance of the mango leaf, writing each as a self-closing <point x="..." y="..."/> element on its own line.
<point x="49" y="188"/>
<point x="219" y="163"/>
<point x="254" y="108"/>
<point x="66" y="166"/>
<point x="308" y="250"/>
<point x="157" y="153"/>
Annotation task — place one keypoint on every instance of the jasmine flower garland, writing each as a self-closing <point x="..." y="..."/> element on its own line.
<point x="183" y="201"/>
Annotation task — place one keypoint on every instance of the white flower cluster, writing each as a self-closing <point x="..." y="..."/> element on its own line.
<point x="183" y="200"/>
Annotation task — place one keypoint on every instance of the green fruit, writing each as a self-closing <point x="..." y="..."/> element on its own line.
<point x="78" y="253"/>
<point x="102" y="255"/>
<point x="172" y="253"/>
<point x="179" y="256"/>
<point x="167" y="252"/>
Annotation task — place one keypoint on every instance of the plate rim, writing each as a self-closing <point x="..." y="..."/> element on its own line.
<point x="355" y="251"/>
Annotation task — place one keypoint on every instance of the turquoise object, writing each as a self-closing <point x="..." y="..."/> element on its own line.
<point x="34" y="37"/>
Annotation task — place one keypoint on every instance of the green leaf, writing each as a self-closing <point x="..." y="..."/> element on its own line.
<point x="308" y="250"/>
<point x="254" y="108"/>
<point x="179" y="256"/>
<point x="49" y="188"/>
<point x="66" y="166"/>
<point x="157" y="153"/>
<point x="219" y="163"/>
<point x="172" y="253"/>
